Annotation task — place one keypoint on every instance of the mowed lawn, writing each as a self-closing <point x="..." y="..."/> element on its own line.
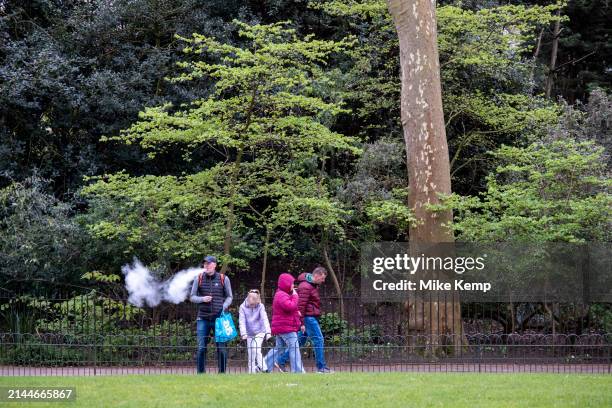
<point x="333" y="390"/>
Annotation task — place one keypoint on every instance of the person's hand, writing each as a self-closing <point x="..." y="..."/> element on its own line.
<point x="303" y="329"/>
<point x="207" y="299"/>
<point x="267" y="337"/>
<point x="244" y="337"/>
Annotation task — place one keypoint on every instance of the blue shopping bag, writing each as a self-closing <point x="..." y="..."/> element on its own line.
<point x="224" y="328"/>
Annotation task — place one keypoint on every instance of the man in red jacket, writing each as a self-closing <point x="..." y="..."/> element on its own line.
<point x="309" y="305"/>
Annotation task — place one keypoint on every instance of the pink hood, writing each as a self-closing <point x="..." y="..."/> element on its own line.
<point x="285" y="282"/>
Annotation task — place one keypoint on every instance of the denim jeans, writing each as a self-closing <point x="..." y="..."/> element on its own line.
<point x="204" y="327"/>
<point x="286" y="343"/>
<point x="313" y="330"/>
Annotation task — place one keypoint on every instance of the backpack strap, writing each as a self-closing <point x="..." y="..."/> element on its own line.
<point x="202" y="274"/>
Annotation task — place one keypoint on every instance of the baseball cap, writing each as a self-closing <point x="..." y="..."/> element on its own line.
<point x="209" y="259"/>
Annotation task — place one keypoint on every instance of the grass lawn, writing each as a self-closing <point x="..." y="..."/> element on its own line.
<point x="338" y="390"/>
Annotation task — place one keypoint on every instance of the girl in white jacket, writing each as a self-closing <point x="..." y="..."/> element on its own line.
<point x="254" y="328"/>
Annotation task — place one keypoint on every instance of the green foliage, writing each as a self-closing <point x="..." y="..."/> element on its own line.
<point x="158" y="218"/>
<point x="82" y="315"/>
<point x="372" y="85"/>
<point x="101" y="277"/>
<point x="487" y="77"/>
<point x="332" y="324"/>
<point x="601" y="314"/>
<point x="588" y="121"/>
<point x="584" y="49"/>
<point x="253" y="131"/>
<point x="490" y="97"/>
<point x="556" y="192"/>
<point x="19" y="314"/>
<point x="71" y="71"/>
<point x="266" y="95"/>
<point x="91" y="327"/>
<point x="267" y="115"/>
<point x="491" y="40"/>
<point x="31" y="351"/>
<point x="361" y="340"/>
<point x="377" y="192"/>
<point x="39" y="240"/>
<point x="394" y="212"/>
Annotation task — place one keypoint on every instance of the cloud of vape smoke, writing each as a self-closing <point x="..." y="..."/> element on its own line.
<point x="145" y="289"/>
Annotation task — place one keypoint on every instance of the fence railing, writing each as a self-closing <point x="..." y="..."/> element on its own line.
<point x="57" y="354"/>
<point x="90" y="334"/>
<point x="91" y="313"/>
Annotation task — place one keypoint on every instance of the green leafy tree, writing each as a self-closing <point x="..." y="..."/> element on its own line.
<point x="72" y="71"/>
<point x="486" y="65"/>
<point x="40" y="243"/>
<point x="545" y="192"/>
<point x="267" y="118"/>
<point x="553" y="190"/>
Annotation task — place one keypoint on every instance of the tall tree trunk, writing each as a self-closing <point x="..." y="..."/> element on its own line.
<point x="426" y="146"/>
<point x="550" y="79"/>
<point x="233" y="183"/>
<point x="229" y="223"/>
<point x="422" y="117"/>
<point x="265" y="265"/>
<point x="334" y="277"/>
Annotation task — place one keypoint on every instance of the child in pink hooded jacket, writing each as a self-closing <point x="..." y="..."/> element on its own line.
<point x="285" y="324"/>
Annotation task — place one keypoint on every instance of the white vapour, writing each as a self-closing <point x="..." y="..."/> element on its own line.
<point x="175" y="289"/>
<point x="144" y="288"/>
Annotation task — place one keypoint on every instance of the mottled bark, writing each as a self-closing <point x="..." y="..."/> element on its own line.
<point x="422" y="117"/>
<point x="426" y="146"/>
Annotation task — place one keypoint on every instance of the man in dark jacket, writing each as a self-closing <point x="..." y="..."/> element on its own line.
<point x="309" y="305"/>
<point x="213" y="294"/>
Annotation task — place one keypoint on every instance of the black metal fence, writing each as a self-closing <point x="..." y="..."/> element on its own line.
<point x="91" y="334"/>
<point x="47" y="354"/>
<point x="93" y="313"/>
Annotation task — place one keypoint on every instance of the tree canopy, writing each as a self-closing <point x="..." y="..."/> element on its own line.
<point x="170" y="129"/>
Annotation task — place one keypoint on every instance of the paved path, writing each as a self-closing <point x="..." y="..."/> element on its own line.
<point x="443" y="367"/>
